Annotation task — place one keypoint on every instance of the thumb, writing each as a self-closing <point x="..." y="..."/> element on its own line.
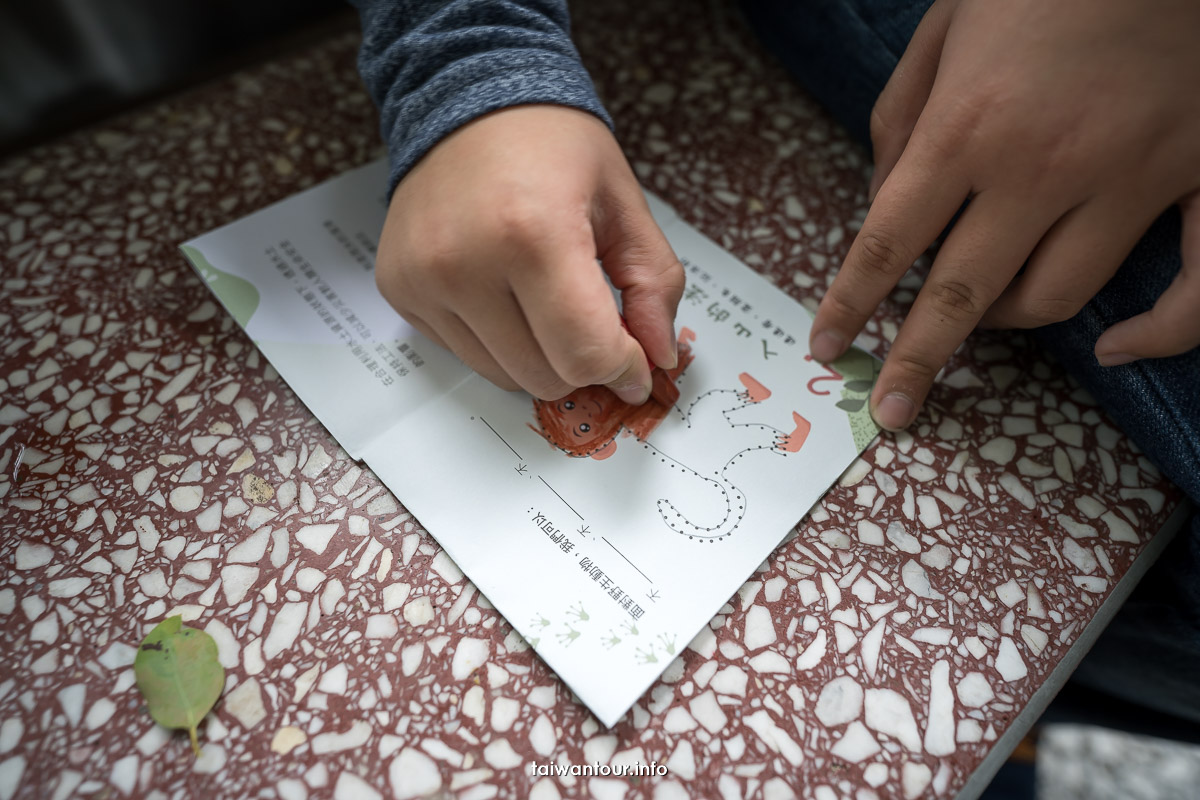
<point x="633" y="383"/>
<point x="1172" y="326"/>
<point x="643" y="268"/>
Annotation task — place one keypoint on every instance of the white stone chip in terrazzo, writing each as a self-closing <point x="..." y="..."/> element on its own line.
<point x="32" y="556"/>
<point x="331" y="595"/>
<point x="889" y="712"/>
<point x="382" y="626"/>
<point x="355" y="736"/>
<point x="100" y="713"/>
<point x="839" y="701"/>
<point x="469" y="655"/>
<point x="914" y="778"/>
<point x="351" y="787"/>
<point x="813" y="653"/>
<point x="500" y="754"/>
<point x="775" y="738"/>
<point x="245" y="704"/>
<point x="334" y="680"/>
<point x="770" y="662"/>
<point x="939" y="718"/>
<point x="317" y="537"/>
<point x="759" y="628"/>
<point x="856" y="744"/>
<point x="11" y="731"/>
<point x="124" y="774"/>
<point x="1009" y="663"/>
<point x="413" y="774"/>
<point x="284" y="629"/>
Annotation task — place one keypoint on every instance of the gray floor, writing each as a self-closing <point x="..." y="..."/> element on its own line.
<point x="1085" y="763"/>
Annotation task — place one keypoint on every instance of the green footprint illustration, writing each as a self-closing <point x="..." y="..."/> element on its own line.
<point x="568" y="637"/>
<point x="647" y="656"/>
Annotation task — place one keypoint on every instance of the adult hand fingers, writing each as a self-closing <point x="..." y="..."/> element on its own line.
<point x="1172" y="326"/>
<point x="986" y="248"/>
<point x="918" y="200"/>
<point x="643" y="267"/>
<point x="902" y="100"/>
<point x="1070" y="265"/>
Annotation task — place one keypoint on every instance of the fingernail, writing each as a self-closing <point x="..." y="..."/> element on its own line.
<point x="631" y="392"/>
<point x="827" y="345"/>
<point x="895" y="412"/>
<point x="1115" y="359"/>
<point x="673" y="362"/>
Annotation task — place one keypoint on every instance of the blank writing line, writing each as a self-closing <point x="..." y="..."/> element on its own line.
<point x="560" y="497"/>
<point x="501" y="438"/>
<point x="627" y="561"/>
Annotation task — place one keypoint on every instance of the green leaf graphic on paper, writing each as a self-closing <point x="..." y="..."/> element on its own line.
<point x="860" y="370"/>
<point x="236" y="293"/>
<point x="178" y="673"/>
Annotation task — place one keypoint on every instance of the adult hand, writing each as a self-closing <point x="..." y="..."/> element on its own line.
<point x="1070" y="126"/>
<point x="490" y="249"/>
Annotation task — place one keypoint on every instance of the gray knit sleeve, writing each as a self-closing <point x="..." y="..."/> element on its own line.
<point x="432" y="66"/>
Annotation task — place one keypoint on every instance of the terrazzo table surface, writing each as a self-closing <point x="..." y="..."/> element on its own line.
<point x="152" y="463"/>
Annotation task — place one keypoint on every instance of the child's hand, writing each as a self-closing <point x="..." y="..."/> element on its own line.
<point x="490" y="249"/>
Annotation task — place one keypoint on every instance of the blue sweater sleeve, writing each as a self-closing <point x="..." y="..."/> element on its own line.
<point x="431" y="66"/>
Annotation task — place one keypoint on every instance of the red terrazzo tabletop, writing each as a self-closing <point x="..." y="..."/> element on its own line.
<point x="152" y="463"/>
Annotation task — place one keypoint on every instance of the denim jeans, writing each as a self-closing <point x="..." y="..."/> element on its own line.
<point x="844" y="51"/>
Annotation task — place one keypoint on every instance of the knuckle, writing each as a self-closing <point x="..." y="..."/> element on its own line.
<point x="385" y="277"/>
<point x="881" y="128"/>
<point x="955" y="300"/>
<point x="673" y="275"/>
<point x="879" y="255"/>
<point x="672" y="281"/>
<point x="590" y="362"/>
<point x="958" y="131"/>
<point x="393" y="279"/>
<point x="538" y="377"/>
<point x="432" y="263"/>
<point x="1048" y="310"/>
<point x="841" y="306"/>
<point x="519" y="221"/>
<point x="485" y="367"/>
<point x="914" y="367"/>
<point x="506" y="383"/>
<point x="550" y="388"/>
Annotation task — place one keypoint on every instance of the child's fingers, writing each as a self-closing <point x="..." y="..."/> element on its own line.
<point x="572" y="315"/>
<point x="643" y="267"/>
<point x="443" y="327"/>
<point x="496" y="322"/>
<point x="455" y="335"/>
